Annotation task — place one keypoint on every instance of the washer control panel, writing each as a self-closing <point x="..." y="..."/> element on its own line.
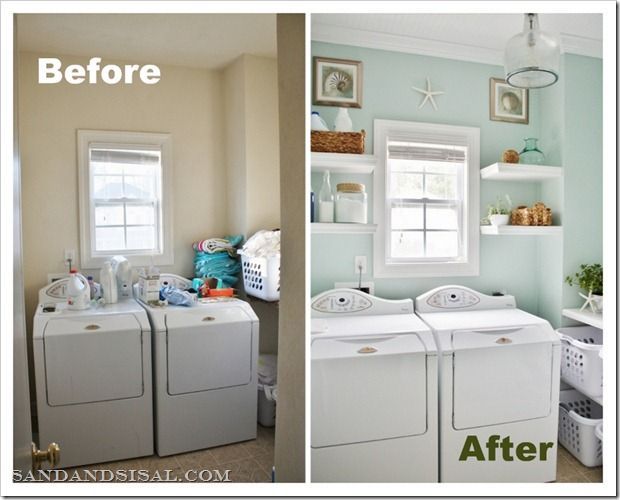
<point x="54" y="292"/>
<point x="349" y="301"/>
<point x="454" y="297"/>
<point x="341" y="301"/>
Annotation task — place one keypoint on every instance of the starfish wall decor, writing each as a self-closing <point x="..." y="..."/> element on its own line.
<point x="428" y="94"/>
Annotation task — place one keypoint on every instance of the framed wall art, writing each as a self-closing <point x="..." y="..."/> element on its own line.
<point x="337" y="82"/>
<point x="507" y="103"/>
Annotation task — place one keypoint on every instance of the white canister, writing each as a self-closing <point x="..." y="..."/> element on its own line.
<point x="351" y="203"/>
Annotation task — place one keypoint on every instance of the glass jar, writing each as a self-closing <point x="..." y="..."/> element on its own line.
<point x="351" y="203"/>
<point x="531" y="155"/>
<point x="326" y="200"/>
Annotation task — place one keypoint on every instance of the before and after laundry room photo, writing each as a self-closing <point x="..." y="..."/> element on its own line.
<point x="308" y="252"/>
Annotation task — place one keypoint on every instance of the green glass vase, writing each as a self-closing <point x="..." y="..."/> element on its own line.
<point x="531" y="155"/>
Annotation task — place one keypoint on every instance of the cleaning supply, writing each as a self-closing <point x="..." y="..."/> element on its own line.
<point x="78" y="292"/>
<point x="148" y="285"/>
<point x="93" y="287"/>
<point x="108" y="283"/>
<point x="124" y="276"/>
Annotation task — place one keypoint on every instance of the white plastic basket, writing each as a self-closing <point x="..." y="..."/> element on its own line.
<point x="582" y="367"/>
<point x="267" y="395"/>
<point x="579" y="416"/>
<point x="261" y="277"/>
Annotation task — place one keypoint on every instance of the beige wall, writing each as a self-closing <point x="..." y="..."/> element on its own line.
<point x="191" y="105"/>
<point x="252" y="144"/>
<point x="290" y="428"/>
<point x="252" y="162"/>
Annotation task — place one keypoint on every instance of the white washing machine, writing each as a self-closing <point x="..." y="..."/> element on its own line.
<point x="93" y="378"/>
<point x="374" y="390"/>
<point x="499" y="376"/>
<point x="204" y="361"/>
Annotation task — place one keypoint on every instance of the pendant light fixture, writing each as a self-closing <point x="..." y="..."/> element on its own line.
<point x="532" y="58"/>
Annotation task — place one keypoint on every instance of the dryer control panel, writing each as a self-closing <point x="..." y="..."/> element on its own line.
<point x="341" y="302"/>
<point x="446" y="298"/>
<point x="354" y="302"/>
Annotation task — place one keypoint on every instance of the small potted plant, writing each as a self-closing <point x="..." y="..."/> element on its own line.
<point x="590" y="279"/>
<point x="498" y="214"/>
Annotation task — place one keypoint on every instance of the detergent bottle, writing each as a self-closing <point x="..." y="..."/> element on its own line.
<point x="107" y="278"/>
<point x="78" y="292"/>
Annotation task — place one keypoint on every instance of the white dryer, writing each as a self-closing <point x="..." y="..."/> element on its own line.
<point x="374" y="390"/>
<point x="499" y="375"/>
<point x="93" y="378"/>
<point x="205" y="373"/>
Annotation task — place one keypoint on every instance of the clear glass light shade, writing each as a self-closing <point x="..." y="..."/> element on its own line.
<point x="532" y="58"/>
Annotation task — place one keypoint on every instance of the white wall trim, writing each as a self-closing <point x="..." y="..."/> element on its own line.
<point x="436" y="48"/>
<point x="469" y="136"/>
<point x="84" y="138"/>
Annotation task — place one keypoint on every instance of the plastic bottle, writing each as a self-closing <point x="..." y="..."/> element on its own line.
<point x="78" y="292"/>
<point x="326" y="200"/>
<point x="93" y="288"/>
<point x="108" y="283"/>
<point x="317" y="123"/>
<point x="343" y="122"/>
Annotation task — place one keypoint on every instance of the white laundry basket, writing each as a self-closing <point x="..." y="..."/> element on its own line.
<point x="582" y="367"/>
<point x="261" y="276"/>
<point x="578" y="419"/>
<point x="267" y="396"/>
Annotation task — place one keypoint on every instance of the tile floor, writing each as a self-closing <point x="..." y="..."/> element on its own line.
<point x="248" y="462"/>
<point x="571" y="470"/>
<point x="251" y="461"/>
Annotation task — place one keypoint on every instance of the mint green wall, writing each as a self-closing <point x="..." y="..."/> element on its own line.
<point x="583" y="164"/>
<point x="530" y="268"/>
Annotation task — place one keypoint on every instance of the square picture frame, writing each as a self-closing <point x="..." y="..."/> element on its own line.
<point x="507" y="103"/>
<point x="337" y="82"/>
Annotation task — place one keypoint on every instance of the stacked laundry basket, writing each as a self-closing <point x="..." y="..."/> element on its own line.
<point x="581" y="412"/>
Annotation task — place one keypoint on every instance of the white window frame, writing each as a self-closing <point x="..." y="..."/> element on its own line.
<point x="91" y="259"/>
<point x="436" y="134"/>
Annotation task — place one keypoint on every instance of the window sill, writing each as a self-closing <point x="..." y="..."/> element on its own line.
<point x="135" y="260"/>
<point x="429" y="270"/>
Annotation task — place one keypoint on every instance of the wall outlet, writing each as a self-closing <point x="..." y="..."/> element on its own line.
<point x="367" y="286"/>
<point x="360" y="262"/>
<point x="70" y="255"/>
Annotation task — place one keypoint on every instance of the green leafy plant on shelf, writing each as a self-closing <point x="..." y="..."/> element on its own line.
<point x="502" y="207"/>
<point x="589" y="278"/>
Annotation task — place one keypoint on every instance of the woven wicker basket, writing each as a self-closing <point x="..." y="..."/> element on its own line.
<point x="520" y="216"/>
<point x="337" y="142"/>
<point x="537" y="215"/>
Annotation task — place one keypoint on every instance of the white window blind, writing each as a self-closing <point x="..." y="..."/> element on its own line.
<point x="426" y="199"/>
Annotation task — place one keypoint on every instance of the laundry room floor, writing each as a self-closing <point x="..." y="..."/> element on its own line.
<point x="571" y="470"/>
<point x="248" y="462"/>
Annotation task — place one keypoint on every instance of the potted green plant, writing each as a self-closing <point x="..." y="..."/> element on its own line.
<point x="498" y="214"/>
<point x="590" y="279"/>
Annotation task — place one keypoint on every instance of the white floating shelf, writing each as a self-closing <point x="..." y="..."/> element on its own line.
<point x="342" y="228"/>
<point x="521" y="230"/>
<point x="586" y="316"/>
<point x="343" y="163"/>
<point x="520" y="172"/>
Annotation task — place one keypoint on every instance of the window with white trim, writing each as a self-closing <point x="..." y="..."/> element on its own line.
<point x="124" y="202"/>
<point x="426" y="205"/>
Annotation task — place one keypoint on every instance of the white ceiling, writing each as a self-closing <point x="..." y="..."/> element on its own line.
<point x="476" y="37"/>
<point x="193" y="40"/>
